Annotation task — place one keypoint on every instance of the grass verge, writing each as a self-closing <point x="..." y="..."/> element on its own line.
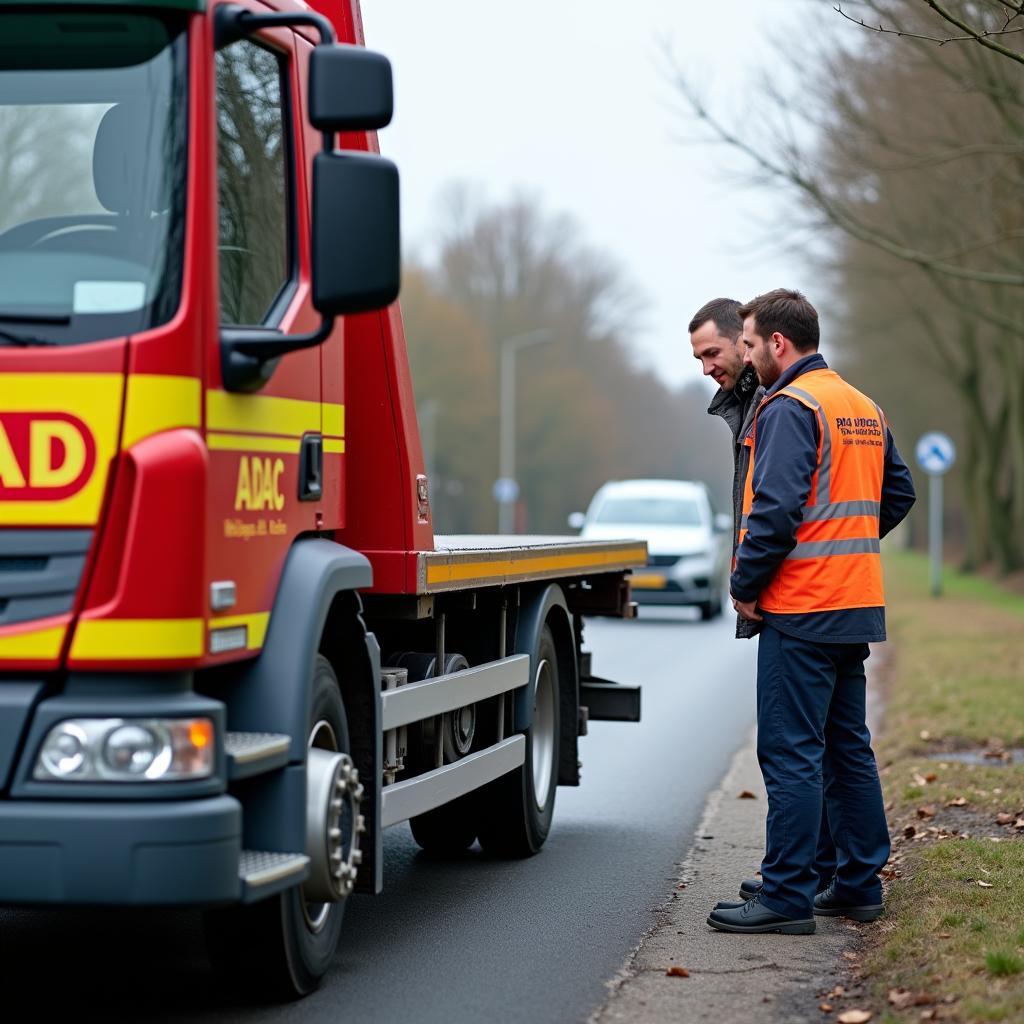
<point x="951" y="946"/>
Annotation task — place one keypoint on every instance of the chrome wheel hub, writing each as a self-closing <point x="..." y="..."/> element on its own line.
<point x="333" y="827"/>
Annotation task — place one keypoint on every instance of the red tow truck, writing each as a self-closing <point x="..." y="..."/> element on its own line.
<point x="232" y="651"/>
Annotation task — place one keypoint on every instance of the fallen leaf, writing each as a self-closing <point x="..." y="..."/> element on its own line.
<point x="850" y="956"/>
<point x="1019" y="823"/>
<point x="927" y="811"/>
<point x="677" y="972"/>
<point x="746" y="795"/>
<point x="838" y="992"/>
<point x="925" y="734"/>
<point x="825" y="1007"/>
<point x="932" y="1014"/>
<point x="945" y="935"/>
<point x="909" y="832"/>
<point x="985" y="885"/>
<point x="901" y="998"/>
<point x="957" y="801"/>
<point x="919" y="779"/>
<point x="930" y="777"/>
<point x="1003" y="818"/>
<point x="854" y="1017"/>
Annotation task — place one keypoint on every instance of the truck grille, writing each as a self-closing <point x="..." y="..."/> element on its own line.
<point x="40" y="571"/>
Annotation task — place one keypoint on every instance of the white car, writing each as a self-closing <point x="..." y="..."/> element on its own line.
<point x="687" y="542"/>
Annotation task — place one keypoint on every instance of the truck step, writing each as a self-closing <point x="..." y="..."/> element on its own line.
<point x="253" y="753"/>
<point x="263" y="873"/>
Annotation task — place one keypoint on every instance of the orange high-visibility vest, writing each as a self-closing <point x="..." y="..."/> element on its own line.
<point x="836" y="562"/>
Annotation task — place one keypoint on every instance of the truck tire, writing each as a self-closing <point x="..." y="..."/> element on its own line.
<point x="282" y="945"/>
<point x="516" y="810"/>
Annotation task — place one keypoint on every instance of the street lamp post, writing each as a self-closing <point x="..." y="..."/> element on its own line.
<point x="506" y="490"/>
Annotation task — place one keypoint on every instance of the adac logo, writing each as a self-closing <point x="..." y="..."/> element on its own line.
<point x="44" y="456"/>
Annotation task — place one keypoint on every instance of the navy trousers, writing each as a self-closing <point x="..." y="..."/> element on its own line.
<point x="813" y="741"/>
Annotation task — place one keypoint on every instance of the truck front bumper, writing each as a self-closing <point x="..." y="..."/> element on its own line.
<point x="173" y="852"/>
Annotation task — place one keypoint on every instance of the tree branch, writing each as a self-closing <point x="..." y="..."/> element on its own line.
<point x="834" y="213"/>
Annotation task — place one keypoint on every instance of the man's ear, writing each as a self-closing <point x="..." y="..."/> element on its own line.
<point x="779" y="343"/>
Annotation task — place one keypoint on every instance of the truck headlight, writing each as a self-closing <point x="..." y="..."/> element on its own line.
<point x="126" y="750"/>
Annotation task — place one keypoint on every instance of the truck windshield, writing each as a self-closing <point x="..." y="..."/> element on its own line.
<point x="92" y="173"/>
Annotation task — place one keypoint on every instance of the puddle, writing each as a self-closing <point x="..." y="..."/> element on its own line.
<point x="989" y="758"/>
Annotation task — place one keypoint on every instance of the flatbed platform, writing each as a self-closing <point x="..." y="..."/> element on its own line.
<point x="464" y="562"/>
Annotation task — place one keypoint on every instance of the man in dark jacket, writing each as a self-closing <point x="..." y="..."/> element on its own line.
<point x="716" y="337"/>
<point x="825" y="484"/>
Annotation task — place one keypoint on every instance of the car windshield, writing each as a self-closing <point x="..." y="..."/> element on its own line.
<point x="650" y="511"/>
<point x="92" y="173"/>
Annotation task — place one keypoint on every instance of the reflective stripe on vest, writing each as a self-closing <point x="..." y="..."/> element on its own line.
<point x="835" y="563"/>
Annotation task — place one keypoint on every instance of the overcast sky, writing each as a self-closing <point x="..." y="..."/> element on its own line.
<point x="569" y="100"/>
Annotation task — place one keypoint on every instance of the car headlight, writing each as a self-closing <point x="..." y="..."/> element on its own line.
<point x="126" y="750"/>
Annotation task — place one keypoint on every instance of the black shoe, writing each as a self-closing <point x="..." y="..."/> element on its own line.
<point x="826" y="905"/>
<point x="750" y="887"/>
<point x="729" y="904"/>
<point x="752" y="918"/>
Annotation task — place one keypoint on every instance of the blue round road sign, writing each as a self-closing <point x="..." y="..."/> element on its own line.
<point x="935" y="453"/>
<point x="505" y="490"/>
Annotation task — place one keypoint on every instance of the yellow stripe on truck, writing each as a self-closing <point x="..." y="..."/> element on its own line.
<point x="154" y="403"/>
<point x="137" y="639"/>
<point x="264" y="414"/>
<point x="250" y="443"/>
<point x="36" y="644"/>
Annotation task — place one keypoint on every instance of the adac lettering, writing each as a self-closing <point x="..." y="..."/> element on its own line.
<point x="44" y="456"/>
<point x="258" y="485"/>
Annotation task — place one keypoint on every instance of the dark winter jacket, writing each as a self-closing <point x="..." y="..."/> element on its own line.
<point x="737" y="408"/>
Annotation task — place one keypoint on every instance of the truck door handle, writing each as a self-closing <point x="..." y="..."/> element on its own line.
<point x="311" y="467"/>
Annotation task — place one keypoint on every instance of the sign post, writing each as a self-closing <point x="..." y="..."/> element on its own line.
<point x="936" y="453"/>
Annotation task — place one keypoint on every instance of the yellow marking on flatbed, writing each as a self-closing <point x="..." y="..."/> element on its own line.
<point x="526" y="562"/>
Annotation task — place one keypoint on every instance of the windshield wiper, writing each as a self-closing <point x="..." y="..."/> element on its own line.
<point x="24" y="340"/>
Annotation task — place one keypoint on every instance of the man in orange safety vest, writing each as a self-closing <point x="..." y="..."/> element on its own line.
<point x="825" y="483"/>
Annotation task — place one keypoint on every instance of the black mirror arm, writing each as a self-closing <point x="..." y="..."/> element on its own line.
<point x="248" y="355"/>
<point x="232" y="23"/>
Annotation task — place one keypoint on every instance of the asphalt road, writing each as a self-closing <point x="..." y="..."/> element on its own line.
<point x="472" y="940"/>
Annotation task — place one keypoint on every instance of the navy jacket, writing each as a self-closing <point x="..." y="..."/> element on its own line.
<point x="787" y="456"/>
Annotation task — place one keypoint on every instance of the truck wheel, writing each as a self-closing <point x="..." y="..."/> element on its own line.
<point x="284" y="944"/>
<point x="516" y="810"/>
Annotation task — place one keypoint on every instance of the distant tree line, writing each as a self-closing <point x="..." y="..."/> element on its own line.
<point x="902" y="148"/>
<point x="586" y="410"/>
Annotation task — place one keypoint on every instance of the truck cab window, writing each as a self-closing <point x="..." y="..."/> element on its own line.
<point x="253" y="182"/>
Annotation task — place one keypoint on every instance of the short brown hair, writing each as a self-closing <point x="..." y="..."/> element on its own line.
<point x="724" y="312"/>
<point x="787" y="312"/>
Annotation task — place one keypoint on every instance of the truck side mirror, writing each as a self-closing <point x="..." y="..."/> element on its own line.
<point x="356" y="247"/>
<point x="350" y="89"/>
